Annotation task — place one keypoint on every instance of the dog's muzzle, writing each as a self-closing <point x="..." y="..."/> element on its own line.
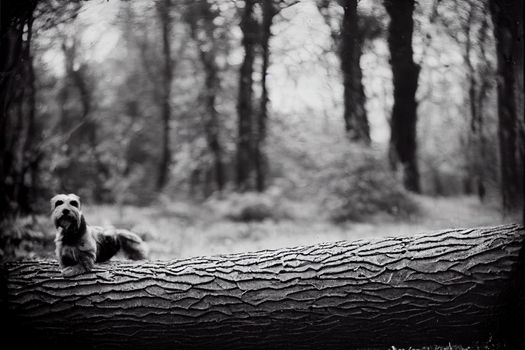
<point x="66" y="217"/>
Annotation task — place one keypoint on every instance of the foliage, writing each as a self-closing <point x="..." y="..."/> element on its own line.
<point x="27" y="236"/>
<point x="98" y="76"/>
<point x="347" y="181"/>
<point x="360" y="184"/>
<point x="250" y="206"/>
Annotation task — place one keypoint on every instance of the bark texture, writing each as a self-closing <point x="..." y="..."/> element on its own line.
<point x="448" y="286"/>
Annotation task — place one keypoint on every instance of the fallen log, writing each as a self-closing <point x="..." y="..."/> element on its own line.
<point x="449" y="286"/>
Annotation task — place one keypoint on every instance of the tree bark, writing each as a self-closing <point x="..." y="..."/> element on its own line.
<point x="507" y="16"/>
<point x="355" y="117"/>
<point x="163" y="8"/>
<point x="405" y="71"/>
<point x="449" y="286"/>
<point x="250" y="30"/>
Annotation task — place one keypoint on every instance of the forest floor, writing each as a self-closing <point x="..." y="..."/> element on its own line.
<point x="180" y="230"/>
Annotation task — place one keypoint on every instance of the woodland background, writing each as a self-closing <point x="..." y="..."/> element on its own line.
<point x="215" y="126"/>
<point x="220" y="126"/>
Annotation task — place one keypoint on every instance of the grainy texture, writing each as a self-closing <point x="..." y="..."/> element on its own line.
<point x="425" y="289"/>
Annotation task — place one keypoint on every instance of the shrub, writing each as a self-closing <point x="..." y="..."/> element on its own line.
<point x="250" y="206"/>
<point x="360" y="184"/>
<point x="26" y="237"/>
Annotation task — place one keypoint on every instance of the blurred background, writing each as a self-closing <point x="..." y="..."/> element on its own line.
<point x="219" y="126"/>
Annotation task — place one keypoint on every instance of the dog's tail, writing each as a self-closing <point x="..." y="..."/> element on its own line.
<point x="132" y="245"/>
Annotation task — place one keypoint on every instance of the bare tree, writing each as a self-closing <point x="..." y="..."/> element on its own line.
<point x="87" y="129"/>
<point x="349" y="38"/>
<point x="200" y="17"/>
<point x="468" y="26"/>
<point x="403" y="142"/>
<point x="164" y="15"/>
<point x="356" y="121"/>
<point x="507" y="17"/>
<point x="16" y="73"/>
<point x="158" y="61"/>
<point x="269" y="10"/>
<point x="256" y="41"/>
<point x="245" y="109"/>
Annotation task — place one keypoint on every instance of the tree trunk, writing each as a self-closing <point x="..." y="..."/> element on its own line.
<point x="163" y="8"/>
<point x="478" y="85"/>
<point x="212" y="123"/>
<point x="14" y="18"/>
<point x="24" y="105"/>
<point x="249" y="27"/>
<point x="507" y="17"/>
<point x="208" y="52"/>
<point x="405" y="73"/>
<point x="450" y="286"/>
<point x="260" y="161"/>
<point x="29" y="152"/>
<point x="81" y="121"/>
<point x="356" y="121"/>
<point x="80" y="79"/>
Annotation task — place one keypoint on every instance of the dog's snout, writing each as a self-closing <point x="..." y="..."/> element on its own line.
<point x="65" y="211"/>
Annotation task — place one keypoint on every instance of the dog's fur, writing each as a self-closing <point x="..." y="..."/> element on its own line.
<point x="79" y="246"/>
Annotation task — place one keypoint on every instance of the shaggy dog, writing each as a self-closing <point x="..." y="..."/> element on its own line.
<point x="79" y="246"/>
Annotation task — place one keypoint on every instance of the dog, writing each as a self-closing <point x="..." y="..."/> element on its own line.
<point x="79" y="246"/>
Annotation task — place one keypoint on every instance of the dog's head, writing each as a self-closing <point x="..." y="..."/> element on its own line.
<point x="65" y="211"/>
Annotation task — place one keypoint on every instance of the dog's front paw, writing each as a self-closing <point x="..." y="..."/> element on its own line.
<point x="71" y="271"/>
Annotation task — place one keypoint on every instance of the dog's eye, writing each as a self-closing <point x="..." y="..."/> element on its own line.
<point x="74" y="203"/>
<point x="57" y="203"/>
